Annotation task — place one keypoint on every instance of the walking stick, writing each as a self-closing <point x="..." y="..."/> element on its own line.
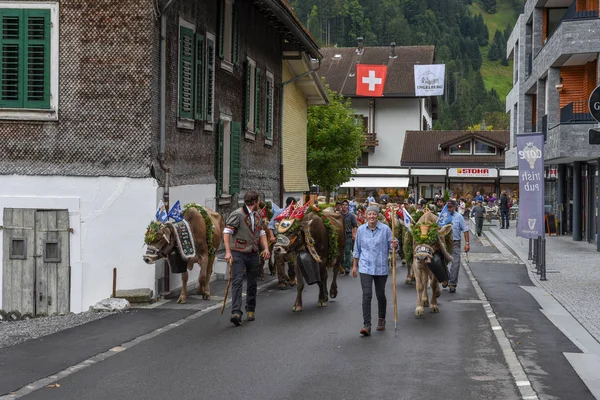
<point x="227" y="288"/>
<point x="394" y="273"/>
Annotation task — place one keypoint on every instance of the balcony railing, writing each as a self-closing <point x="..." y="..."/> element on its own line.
<point x="576" y="112"/>
<point x="371" y="141"/>
<point x="573" y="14"/>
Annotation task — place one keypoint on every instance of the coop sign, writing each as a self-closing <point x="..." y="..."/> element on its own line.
<point x="473" y="172"/>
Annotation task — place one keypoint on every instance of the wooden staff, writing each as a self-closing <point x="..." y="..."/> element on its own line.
<point x="394" y="271"/>
<point x="227" y="288"/>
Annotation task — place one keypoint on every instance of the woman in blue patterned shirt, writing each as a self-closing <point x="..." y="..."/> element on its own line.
<point x="374" y="240"/>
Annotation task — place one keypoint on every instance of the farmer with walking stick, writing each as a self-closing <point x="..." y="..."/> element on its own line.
<point x="374" y="240"/>
<point x="242" y="234"/>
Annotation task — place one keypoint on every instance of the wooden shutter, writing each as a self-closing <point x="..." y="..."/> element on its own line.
<point x="235" y="35"/>
<point x="36" y="73"/>
<point x="199" y="79"/>
<point x="221" y="28"/>
<point x="269" y="106"/>
<point x="219" y="158"/>
<point x="235" y="158"/>
<point x="247" y="98"/>
<point x="257" y="100"/>
<point x="186" y="73"/>
<point x="210" y="80"/>
<point x="11" y="61"/>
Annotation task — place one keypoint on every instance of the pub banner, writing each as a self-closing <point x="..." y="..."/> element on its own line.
<point x="530" y="151"/>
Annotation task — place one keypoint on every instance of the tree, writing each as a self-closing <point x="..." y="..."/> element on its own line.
<point x="334" y="141"/>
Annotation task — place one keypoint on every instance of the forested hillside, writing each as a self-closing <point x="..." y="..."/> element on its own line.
<point x="457" y="29"/>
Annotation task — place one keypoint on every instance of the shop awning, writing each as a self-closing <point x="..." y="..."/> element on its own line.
<point x="377" y="182"/>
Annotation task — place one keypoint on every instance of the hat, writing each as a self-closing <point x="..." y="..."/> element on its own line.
<point x="373" y="208"/>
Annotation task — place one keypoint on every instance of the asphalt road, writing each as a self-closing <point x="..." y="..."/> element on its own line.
<point x="315" y="354"/>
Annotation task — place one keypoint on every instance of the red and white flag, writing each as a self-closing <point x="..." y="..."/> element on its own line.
<point x="370" y="80"/>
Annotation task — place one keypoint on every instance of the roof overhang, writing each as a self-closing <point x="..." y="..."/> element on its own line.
<point x="377" y="182"/>
<point x="301" y="64"/>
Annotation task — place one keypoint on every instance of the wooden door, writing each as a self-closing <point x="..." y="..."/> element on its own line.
<point x="18" y="263"/>
<point x="53" y="285"/>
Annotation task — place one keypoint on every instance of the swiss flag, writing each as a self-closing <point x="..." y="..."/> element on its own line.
<point x="370" y="80"/>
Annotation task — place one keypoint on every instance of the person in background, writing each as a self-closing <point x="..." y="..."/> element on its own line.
<point x="352" y="205"/>
<point x="411" y="198"/>
<point x="338" y="206"/>
<point x="384" y="198"/>
<point x="479" y="213"/>
<point x="492" y="200"/>
<point x="350" y="225"/>
<point x="458" y="227"/>
<point x="504" y="224"/>
<point x="374" y="240"/>
<point x="242" y="236"/>
<point x="478" y="197"/>
<point x="439" y="204"/>
<point x="371" y="198"/>
<point x="462" y="207"/>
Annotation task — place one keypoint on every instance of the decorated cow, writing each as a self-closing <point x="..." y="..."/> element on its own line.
<point x="194" y="239"/>
<point x="318" y="239"/>
<point x="430" y="256"/>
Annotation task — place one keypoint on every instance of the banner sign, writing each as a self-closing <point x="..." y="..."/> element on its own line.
<point x="370" y="80"/>
<point x="530" y="151"/>
<point x="429" y="80"/>
<point x="473" y="172"/>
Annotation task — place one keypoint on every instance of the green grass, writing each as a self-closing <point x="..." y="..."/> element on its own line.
<point x="494" y="74"/>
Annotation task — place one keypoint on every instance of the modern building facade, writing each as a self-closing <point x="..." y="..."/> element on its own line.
<point x="555" y="45"/>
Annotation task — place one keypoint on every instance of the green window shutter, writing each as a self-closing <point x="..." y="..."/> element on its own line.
<point x="12" y="38"/>
<point x="257" y="100"/>
<point x="36" y="72"/>
<point x="186" y="73"/>
<point x="247" y="98"/>
<point x="219" y="158"/>
<point x="235" y="158"/>
<point x="235" y="35"/>
<point x="210" y="80"/>
<point x="199" y="79"/>
<point x="221" y="28"/>
<point x="269" y="106"/>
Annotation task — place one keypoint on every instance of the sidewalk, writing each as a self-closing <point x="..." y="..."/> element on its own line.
<point x="572" y="272"/>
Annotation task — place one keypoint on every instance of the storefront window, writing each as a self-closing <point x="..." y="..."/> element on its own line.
<point x="462" y="148"/>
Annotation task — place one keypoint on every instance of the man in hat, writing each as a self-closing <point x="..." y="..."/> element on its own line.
<point x="458" y="227"/>
<point x="241" y="237"/>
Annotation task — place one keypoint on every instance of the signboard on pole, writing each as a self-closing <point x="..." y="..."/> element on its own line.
<point x="530" y="153"/>
<point x="429" y="80"/>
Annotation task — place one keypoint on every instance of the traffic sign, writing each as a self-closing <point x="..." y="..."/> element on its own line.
<point x="594" y="136"/>
<point x="595" y="104"/>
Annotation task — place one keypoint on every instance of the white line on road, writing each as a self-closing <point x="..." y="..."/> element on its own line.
<point x="514" y="365"/>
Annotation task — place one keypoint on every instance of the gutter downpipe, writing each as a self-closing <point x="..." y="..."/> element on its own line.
<point x="162" y="122"/>
<point x="281" y="93"/>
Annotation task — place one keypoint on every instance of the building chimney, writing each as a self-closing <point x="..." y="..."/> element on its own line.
<point x="360" y="45"/>
<point x="393" y="50"/>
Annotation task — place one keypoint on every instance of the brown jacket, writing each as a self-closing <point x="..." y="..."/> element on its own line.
<point x="244" y="239"/>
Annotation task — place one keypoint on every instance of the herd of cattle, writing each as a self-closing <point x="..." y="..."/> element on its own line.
<point x="309" y="231"/>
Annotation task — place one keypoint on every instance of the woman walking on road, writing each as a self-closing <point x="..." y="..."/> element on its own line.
<point x="374" y="240"/>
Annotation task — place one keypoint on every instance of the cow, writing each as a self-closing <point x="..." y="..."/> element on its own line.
<point x="429" y="261"/>
<point x="309" y="233"/>
<point x="161" y="241"/>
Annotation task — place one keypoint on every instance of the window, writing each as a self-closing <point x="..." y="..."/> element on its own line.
<point x="18" y="249"/>
<point x="196" y="77"/>
<point x="229" y="153"/>
<point x="483" y="148"/>
<point x="228" y="34"/>
<point x="252" y="120"/>
<point x="51" y="252"/>
<point x="461" y="149"/>
<point x="28" y="72"/>
<point x="269" y="99"/>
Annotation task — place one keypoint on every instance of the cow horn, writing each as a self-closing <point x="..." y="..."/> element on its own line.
<point x="166" y="238"/>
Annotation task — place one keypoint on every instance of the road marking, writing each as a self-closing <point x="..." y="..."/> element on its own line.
<point x="514" y="365"/>
<point x="41" y="383"/>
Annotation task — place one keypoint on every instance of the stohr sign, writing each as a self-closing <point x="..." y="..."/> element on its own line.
<point x="473" y="172"/>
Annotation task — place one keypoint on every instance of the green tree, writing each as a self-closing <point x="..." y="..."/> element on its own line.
<point x="334" y="141"/>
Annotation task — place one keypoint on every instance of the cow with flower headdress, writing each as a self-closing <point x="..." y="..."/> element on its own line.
<point x="429" y="253"/>
<point x="192" y="240"/>
<point x="318" y="239"/>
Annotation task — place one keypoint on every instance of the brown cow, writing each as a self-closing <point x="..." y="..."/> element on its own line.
<point x="164" y="242"/>
<point x="423" y="256"/>
<point x="293" y="239"/>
